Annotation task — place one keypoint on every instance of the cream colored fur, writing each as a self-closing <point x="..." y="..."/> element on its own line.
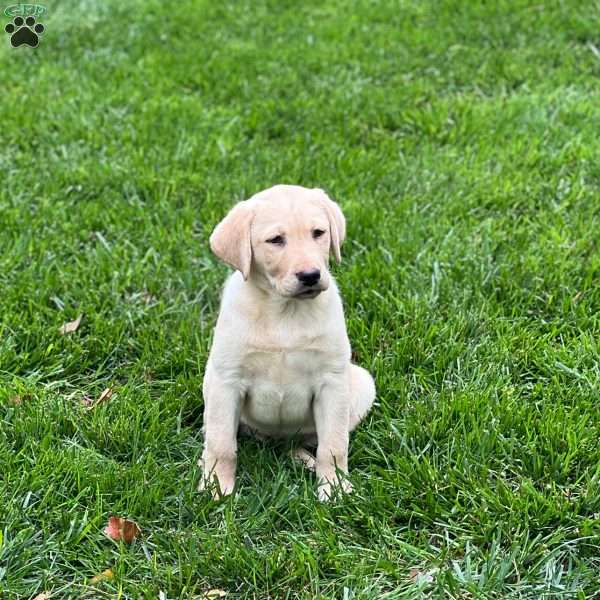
<point x="280" y="361"/>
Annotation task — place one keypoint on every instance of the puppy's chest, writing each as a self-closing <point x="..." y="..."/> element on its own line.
<point x="279" y="386"/>
<point x="281" y="365"/>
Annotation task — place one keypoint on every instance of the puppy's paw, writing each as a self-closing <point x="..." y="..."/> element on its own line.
<point x="347" y="487"/>
<point x="305" y="457"/>
<point x="219" y="486"/>
<point x="218" y="489"/>
<point x="327" y="489"/>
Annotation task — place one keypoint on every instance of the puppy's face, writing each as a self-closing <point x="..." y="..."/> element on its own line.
<point x="290" y="246"/>
<point x="281" y="239"/>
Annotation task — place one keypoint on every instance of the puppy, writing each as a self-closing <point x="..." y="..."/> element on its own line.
<point x="280" y="359"/>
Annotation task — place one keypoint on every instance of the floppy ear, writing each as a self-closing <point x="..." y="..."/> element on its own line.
<point x="337" y="223"/>
<point x="230" y="240"/>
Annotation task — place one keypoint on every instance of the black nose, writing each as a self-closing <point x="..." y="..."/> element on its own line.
<point x="309" y="277"/>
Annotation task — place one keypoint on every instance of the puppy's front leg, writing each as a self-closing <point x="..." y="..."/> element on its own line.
<point x="331" y="410"/>
<point x="221" y="420"/>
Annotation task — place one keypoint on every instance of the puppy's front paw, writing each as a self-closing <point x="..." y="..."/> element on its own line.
<point x="327" y="489"/>
<point x="220" y="484"/>
<point x="218" y="489"/>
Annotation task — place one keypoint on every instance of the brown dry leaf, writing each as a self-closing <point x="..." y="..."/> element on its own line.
<point x="120" y="529"/>
<point x="89" y="402"/>
<point x="71" y="326"/>
<point x="105" y="395"/>
<point x="105" y="575"/>
<point x="420" y="574"/>
<point x="43" y="596"/>
<point x="215" y="594"/>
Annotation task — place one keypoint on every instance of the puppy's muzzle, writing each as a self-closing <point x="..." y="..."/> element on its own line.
<point x="311" y="283"/>
<point x="309" y="278"/>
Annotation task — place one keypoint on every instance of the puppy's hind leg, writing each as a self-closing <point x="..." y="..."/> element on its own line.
<point x="362" y="395"/>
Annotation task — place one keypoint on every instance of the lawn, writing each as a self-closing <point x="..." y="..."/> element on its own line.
<point x="461" y="140"/>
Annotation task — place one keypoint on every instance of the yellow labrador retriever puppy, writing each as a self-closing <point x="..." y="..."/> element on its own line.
<point x="280" y="359"/>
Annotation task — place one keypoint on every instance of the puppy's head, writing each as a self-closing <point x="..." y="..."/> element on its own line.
<point x="282" y="238"/>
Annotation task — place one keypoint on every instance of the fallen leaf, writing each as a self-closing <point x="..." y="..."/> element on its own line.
<point x="71" y="326"/>
<point x="215" y="594"/>
<point x="107" y="574"/>
<point x="89" y="402"/>
<point x="120" y="529"/>
<point x="420" y="575"/>
<point x="43" y="596"/>
<point x="105" y="395"/>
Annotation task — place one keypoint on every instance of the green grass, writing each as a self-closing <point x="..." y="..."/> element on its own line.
<point x="461" y="139"/>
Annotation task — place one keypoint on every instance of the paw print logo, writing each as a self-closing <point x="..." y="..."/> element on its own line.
<point x="24" y="31"/>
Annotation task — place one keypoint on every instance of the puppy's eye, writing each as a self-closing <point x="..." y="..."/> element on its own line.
<point x="277" y="240"/>
<point x="317" y="233"/>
